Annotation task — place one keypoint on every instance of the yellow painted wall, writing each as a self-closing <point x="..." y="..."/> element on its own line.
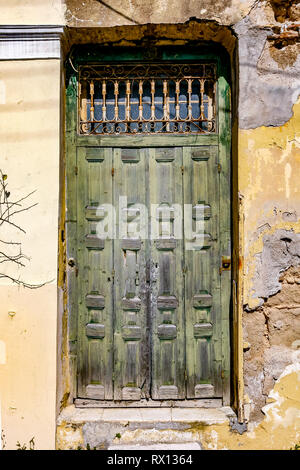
<point x="29" y="155"/>
<point x="28" y="12"/>
<point x="269" y="169"/>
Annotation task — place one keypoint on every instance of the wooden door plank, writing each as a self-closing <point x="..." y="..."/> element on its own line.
<point x="131" y="338"/>
<point x="225" y="224"/>
<point x="139" y="141"/>
<point x="167" y="306"/>
<point x="94" y="276"/>
<point x="202" y="284"/>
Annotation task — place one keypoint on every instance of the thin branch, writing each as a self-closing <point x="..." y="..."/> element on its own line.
<point x="24" y="284"/>
<point x="13" y="258"/>
<point x="19" y="255"/>
<point x="21" y="210"/>
<point x="11" y="223"/>
<point x="6" y="213"/>
<point x="10" y="243"/>
<point x="13" y="261"/>
<point x="22" y="198"/>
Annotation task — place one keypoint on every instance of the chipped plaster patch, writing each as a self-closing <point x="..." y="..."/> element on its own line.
<point x="68" y="437"/>
<point x="292" y="368"/>
<point x="275" y="411"/>
<point x="213" y="444"/>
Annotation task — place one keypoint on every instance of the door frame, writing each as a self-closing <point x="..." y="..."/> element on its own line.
<point x="222" y="138"/>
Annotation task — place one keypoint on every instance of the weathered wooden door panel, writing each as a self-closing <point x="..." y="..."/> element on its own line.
<point x="131" y="331"/>
<point x="166" y="258"/>
<point x="95" y="261"/>
<point x="149" y="302"/>
<point x="202" y="280"/>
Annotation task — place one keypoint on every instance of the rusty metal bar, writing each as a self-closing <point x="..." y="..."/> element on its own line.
<point x="92" y="100"/>
<point x="127" y="114"/>
<point x="202" y="85"/>
<point x="95" y="79"/>
<point x="153" y="100"/>
<point x="116" y="91"/>
<point x="177" y="105"/>
<point x="104" y="100"/>
<point x="190" y="81"/>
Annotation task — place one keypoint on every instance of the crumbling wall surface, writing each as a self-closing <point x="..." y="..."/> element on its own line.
<point x="271" y="340"/>
<point x="95" y="13"/>
<point x="285" y="10"/>
<point x="281" y="250"/>
<point x="270" y="199"/>
<point x="268" y="75"/>
<point x="269" y="63"/>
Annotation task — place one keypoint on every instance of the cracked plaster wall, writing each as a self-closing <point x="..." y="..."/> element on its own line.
<point x="268" y="183"/>
<point x="269" y="82"/>
<point x="271" y="340"/>
<point x="269" y="175"/>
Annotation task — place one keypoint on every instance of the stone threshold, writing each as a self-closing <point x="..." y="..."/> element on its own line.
<point x="143" y="403"/>
<point x="205" y="416"/>
<point x="188" y="446"/>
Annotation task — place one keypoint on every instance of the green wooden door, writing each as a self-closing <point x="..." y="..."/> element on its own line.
<point x="149" y="303"/>
<point x="148" y="225"/>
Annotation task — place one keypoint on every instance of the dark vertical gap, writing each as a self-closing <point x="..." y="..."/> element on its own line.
<point x="183" y="270"/>
<point x="78" y="332"/>
<point x="113" y="277"/>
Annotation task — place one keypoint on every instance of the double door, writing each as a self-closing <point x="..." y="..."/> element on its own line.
<point x="150" y="310"/>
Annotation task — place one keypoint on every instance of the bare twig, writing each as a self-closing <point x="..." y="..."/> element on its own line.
<point x="17" y="203"/>
<point x="21" y="210"/>
<point x="8" y="209"/>
<point x="11" y="223"/>
<point x="25" y="284"/>
<point x="4" y="258"/>
<point x="10" y="243"/>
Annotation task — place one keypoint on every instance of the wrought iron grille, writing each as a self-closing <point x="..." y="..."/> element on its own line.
<point x="147" y="99"/>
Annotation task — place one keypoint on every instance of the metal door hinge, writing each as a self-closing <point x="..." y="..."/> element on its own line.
<point x="112" y="172"/>
<point x="76" y="170"/>
<point x="219" y="168"/>
<point x="182" y="170"/>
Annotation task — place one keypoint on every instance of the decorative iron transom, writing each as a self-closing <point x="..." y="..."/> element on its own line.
<point x="147" y="99"/>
